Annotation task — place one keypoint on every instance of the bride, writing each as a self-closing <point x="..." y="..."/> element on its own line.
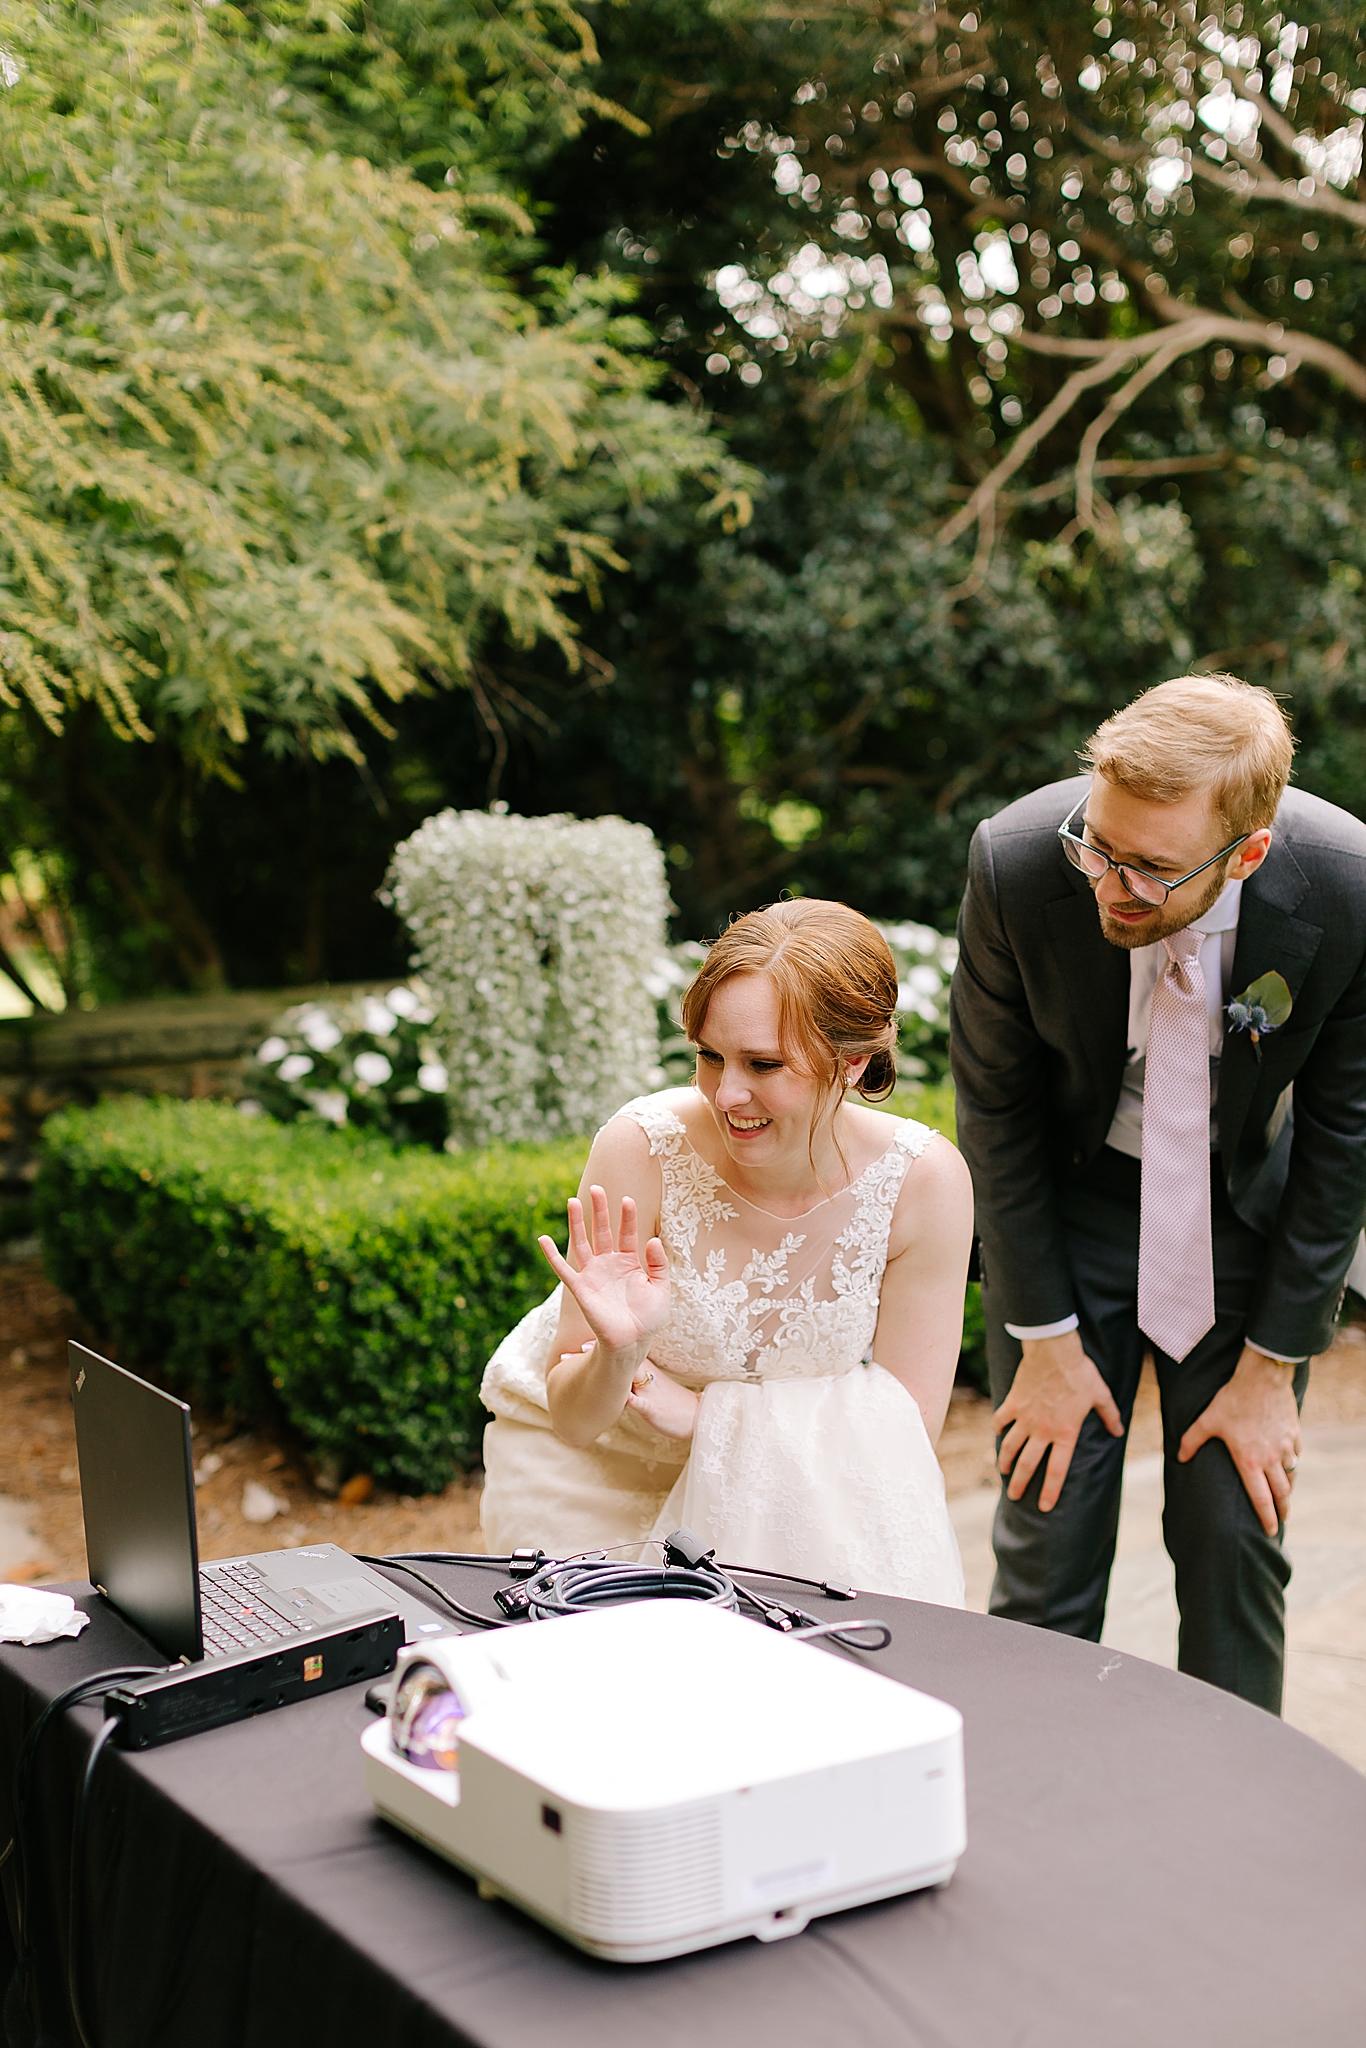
<point x="774" y="1366"/>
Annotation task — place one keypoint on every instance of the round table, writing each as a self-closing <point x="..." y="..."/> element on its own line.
<point x="1150" y="1864"/>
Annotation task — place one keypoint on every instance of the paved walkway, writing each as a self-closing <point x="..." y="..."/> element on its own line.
<point x="1325" y="1606"/>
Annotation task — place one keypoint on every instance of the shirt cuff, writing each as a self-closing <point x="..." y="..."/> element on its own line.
<point x="1279" y="1356"/>
<point x="1037" y="1330"/>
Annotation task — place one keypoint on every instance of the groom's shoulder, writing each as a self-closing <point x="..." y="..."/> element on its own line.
<point x="1016" y="838"/>
<point x="1042" y="811"/>
<point x="1322" y="835"/>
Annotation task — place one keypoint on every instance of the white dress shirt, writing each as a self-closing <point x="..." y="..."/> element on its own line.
<point x="1219" y="927"/>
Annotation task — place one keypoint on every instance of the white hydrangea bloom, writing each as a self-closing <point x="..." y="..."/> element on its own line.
<point x="538" y="941"/>
<point x="319" y="1029"/>
<point x="372" y="1068"/>
<point x="925" y="960"/>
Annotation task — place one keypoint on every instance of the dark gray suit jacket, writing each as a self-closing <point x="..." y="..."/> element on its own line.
<point x="1040" y="1008"/>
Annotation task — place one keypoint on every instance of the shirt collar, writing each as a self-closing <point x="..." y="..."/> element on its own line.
<point x="1222" y="915"/>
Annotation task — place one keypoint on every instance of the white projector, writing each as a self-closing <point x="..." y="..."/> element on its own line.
<point x="660" y="1777"/>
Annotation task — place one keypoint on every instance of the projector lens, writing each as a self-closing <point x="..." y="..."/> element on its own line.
<point x="424" y="1722"/>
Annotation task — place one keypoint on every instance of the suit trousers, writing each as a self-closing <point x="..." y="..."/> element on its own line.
<point x="1053" y="1570"/>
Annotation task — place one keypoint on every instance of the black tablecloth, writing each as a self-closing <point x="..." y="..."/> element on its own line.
<point x="1149" y="1862"/>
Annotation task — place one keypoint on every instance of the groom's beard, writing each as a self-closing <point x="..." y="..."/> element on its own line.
<point x="1158" y="924"/>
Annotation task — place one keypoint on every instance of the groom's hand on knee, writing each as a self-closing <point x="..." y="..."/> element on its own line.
<point x="1256" y="1415"/>
<point x="1055" y="1388"/>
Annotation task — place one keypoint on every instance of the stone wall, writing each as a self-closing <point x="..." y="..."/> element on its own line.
<point x="190" y="1046"/>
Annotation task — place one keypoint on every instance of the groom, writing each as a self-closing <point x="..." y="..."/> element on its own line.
<point x="1159" y="1046"/>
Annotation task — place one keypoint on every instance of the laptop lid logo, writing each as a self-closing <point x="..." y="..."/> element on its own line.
<point x="80" y="1379"/>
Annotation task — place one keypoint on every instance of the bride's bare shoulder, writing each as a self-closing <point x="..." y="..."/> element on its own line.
<point x="867" y="1134"/>
<point x="631" y="1137"/>
<point x="935" y="1197"/>
<point x="656" y="1115"/>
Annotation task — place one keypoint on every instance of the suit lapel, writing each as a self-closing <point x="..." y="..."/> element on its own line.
<point x="1095" y="977"/>
<point x="1270" y="936"/>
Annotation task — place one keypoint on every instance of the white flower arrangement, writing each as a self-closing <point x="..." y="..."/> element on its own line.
<point x="385" y="1062"/>
<point x="367" y="1060"/>
<point x="925" y="960"/>
<point x="540" y="942"/>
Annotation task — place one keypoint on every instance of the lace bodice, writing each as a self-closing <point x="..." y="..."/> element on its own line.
<point x="761" y="1297"/>
<point x="805" y="1456"/>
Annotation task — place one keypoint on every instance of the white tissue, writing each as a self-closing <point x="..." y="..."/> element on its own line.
<point x="30" y="1615"/>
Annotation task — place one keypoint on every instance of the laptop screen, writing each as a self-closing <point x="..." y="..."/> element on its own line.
<point x="137" y="1493"/>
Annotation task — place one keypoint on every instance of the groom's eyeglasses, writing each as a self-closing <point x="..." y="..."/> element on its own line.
<point x="1139" y="883"/>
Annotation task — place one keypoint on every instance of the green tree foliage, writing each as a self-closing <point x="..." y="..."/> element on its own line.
<point x="1043" y="326"/>
<point x="442" y="87"/>
<point x="282" y="446"/>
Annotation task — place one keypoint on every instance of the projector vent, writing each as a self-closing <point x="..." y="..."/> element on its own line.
<point x="630" y="1875"/>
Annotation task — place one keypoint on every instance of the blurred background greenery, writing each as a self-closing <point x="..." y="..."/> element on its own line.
<point x="435" y="402"/>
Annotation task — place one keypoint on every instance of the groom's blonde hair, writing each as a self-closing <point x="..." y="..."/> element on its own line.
<point x="1200" y="732"/>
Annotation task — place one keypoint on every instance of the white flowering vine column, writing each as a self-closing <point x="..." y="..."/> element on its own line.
<point x="537" y="940"/>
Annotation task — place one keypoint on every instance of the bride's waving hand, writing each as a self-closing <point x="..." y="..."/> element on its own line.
<point x="616" y="1297"/>
<point x="623" y="1293"/>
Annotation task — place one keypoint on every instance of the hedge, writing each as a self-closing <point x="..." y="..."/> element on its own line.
<point x="355" y="1287"/>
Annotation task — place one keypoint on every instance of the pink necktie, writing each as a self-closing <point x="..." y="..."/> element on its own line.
<point x="1175" y="1259"/>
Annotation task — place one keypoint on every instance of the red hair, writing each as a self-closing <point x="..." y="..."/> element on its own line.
<point x="836" y="984"/>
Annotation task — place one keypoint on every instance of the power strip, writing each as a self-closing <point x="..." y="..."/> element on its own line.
<point x="187" y="1700"/>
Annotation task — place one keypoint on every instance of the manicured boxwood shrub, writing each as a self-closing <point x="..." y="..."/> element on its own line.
<point x="356" y="1287"/>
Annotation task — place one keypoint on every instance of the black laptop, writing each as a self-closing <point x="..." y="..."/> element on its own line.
<point x="142" y="1544"/>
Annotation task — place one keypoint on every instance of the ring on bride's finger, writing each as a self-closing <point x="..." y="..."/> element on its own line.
<point x="643" y="1381"/>
<point x="1289" y="1466"/>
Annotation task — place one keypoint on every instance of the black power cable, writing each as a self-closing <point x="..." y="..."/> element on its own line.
<point x="826" y="1586"/>
<point x="75" y="1695"/>
<point x="578" y="1585"/>
<point x="522" y="1563"/>
<point x="500" y="1564"/>
<point x="577" y="1588"/>
<point x="75" y="1929"/>
<point x="401" y="1564"/>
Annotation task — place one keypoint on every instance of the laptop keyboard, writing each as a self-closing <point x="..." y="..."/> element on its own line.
<point x="237" y="1609"/>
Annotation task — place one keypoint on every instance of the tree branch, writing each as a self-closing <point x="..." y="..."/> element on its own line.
<point x="1155" y="367"/>
<point x="10" y="966"/>
<point x="1109" y="358"/>
<point x="493" y="725"/>
<point x="1270" y="114"/>
<point x="1175" y="465"/>
<point x="1000" y="749"/>
<point x="981" y="560"/>
<point x="1264" y="184"/>
<point x="1253" y="178"/>
<point x="1025" y="443"/>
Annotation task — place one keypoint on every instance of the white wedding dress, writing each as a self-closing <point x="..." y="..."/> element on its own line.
<point x="807" y="1457"/>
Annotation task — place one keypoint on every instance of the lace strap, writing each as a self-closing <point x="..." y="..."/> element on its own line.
<point x="662" y="1126"/>
<point x="864" y="1239"/>
<point x="911" y="1136"/>
<point x="693" y="1193"/>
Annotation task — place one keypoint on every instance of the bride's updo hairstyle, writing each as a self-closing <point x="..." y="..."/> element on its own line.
<point x="836" y="983"/>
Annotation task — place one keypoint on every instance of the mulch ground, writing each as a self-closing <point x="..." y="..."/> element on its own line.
<point x="38" y="1460"/>
<point x="38" y="1451"/>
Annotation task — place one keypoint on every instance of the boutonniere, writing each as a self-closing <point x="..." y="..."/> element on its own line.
<point x="1262" y="1008"/>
